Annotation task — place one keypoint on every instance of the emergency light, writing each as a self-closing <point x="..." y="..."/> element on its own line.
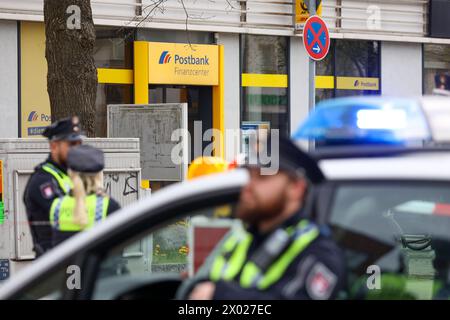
<point x="365" y="120"/>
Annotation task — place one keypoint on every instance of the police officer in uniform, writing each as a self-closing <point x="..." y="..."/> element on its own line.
<point x="87" y="204"/>
<point x="50" y="180"/>
<point x="281" y="254"/>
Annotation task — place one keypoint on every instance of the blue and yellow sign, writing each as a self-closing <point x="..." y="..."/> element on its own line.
<point x="348" y="83"/>
<point x="358" y="83"/>
<point x="179" y="63"/>
<point x="302" y="12"/>
<point x="34" y="101"/>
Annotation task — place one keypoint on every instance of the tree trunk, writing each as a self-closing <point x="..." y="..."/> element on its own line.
<point x="72" y="75"/>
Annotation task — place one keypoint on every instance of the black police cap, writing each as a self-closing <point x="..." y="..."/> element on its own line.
<point x="293" y="160"/>
<point x="67" y="129"/>
<point x="86" y="159"/>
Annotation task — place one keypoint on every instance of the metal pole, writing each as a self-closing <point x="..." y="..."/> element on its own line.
<point x="312" y="64"/>
<point x="312" y="71"/>
<point x="312" y="7"/>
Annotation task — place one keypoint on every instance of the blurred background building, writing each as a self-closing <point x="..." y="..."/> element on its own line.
<point x="378" y="47"/>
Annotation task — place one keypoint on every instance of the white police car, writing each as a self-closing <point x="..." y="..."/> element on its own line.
<point x="387" y="195"/>
<point x="386" y="198"/>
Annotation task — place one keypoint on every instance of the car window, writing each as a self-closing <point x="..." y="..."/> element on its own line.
<point x="396" y="238"/>
<point x="175" y="248"/>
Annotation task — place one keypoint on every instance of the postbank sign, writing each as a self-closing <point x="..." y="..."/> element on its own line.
<point x="179" y="63"/>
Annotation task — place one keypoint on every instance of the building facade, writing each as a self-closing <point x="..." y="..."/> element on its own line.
<point x="257" y="68"/>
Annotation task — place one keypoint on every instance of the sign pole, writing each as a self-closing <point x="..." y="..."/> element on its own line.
<point x="312" y="73"/>
<point x="316" y="39"/>
<point x="312" y="64"/>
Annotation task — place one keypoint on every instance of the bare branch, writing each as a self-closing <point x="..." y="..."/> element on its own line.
<point x="231" y="6"/>
<point x="155" y="5"/>
<point x="186" y="23"/>
<point x="158" y="6"/>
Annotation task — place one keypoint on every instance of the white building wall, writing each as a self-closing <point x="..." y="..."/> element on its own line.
<point x="401" y="69"/>
<point x="232" y="91"/>
<point x="299" y="80"/>
<point x="199" y="15"/>
<point x="9" y="80"/>
<point x="405" y="17"/>
<point x="346" y="18"/>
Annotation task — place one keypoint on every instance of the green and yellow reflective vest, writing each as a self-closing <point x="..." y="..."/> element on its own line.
<point x="62" y="212"/>
<point x="233" y="260"/>
<point x="64" y="181"/>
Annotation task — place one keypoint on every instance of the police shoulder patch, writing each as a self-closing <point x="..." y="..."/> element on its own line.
<point x="47" y="190"/>
<point x="320" y="282"/>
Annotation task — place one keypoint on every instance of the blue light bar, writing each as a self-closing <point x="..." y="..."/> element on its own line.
<point x="365" y="120"/>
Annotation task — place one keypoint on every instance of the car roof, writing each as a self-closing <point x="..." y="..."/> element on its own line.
<point x="399" y="165"/>
<point x="202" y="186"/>
<point x="366" y="100"/>
<point x="371" y="151"/>
<point x="428" y="100"/>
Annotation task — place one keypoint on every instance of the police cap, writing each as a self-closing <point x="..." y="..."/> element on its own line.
<point x="67" y="129"/>
<point x="86" y="159"/>
<point x="294" y="161"/>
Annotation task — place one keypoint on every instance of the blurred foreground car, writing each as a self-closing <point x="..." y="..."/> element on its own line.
<point x="386" y="197"/>
<point x="107" y="257"/>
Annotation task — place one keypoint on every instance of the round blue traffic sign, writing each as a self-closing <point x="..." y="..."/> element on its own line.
<point x="316" y="38"/>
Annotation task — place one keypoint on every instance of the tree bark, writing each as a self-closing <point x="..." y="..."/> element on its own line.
<point x="72" y="75"/>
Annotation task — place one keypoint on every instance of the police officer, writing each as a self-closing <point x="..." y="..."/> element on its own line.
<point x="50" y="180"/>
<point x="87" y="203"/>
<point x="281" y="254"/>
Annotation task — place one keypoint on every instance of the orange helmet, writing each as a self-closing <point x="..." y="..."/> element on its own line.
<point x="202" y="166"/>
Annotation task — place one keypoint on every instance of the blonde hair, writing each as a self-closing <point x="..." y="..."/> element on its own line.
<point x="84" y="185"/>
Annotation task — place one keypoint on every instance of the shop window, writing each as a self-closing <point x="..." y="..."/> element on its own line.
<point x="357" y="58"/>
<point x="114" y="48"/>
<point x="326" y="67"/>
<point x="264" y="54"/>
<point x="436" y="69"/>
<point x="266" y="105"/>
<point x="109" y="94"/>
<point x="353" y="67"/>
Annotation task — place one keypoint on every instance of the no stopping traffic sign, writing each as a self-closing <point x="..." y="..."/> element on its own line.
<point x="316" y="38"/>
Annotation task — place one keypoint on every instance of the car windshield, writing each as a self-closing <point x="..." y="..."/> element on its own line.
<point x="396" y="238"/>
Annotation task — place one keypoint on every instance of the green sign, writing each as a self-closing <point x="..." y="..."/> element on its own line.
<point x="2" y="212"/>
